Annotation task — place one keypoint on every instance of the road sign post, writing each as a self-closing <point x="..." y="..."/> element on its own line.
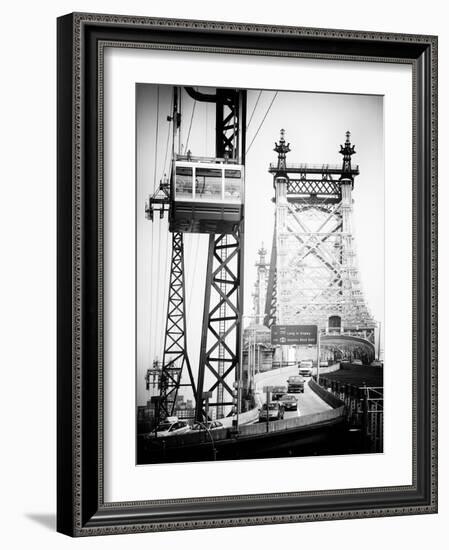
<point x="236" y="404"/>
<point x="267" y="403"/>
<point x="156" y="400"/>
<point x="318" y="353"/>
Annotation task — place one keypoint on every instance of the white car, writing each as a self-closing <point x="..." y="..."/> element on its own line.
<point x="377" y="363"/>
<point x="357" y="362"/>
<point x="324" y="363"/>
<point x="169" y="428"/>
<point x="305" y="368"/>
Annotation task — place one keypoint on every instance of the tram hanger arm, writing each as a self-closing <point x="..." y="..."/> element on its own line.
<point x="199" y="96"/>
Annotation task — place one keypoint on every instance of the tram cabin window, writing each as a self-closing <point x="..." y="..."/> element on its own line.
<point x="208" y="184"/>
<point x="184" y="182"/>
<point x="233" y="183"/>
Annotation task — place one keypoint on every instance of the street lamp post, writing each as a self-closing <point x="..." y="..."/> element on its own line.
<point x="206" y="396"/>
<point x="268" y="409"/>
<point x="235" y="422"/>
<point x="214" y="450"/>
<point x="156" y="400"/>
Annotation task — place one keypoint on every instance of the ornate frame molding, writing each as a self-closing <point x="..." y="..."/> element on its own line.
<point x="81" y="42"/>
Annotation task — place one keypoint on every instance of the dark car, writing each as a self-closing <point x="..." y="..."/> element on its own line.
<point x="290" y="402"/>
<point x="277" y="392"/>
<point x="295" y="384"/>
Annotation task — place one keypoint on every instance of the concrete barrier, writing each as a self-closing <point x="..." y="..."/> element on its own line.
<point x="293" y="423"/>
<point x="244" y="418"/>
<point x="310" y="421"/>
<point x="325" y="395"/>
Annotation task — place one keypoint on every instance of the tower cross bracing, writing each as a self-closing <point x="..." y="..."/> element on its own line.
<point x="314" y="264"/>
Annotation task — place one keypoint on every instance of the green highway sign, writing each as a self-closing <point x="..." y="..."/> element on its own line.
<point x="294" y="335"/>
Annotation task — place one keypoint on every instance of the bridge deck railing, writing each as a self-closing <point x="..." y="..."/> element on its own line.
<point x="364" y="408"/>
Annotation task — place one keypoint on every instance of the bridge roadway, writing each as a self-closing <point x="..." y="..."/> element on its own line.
<point x="314" y="429"/>
<point x="308" y="402"/>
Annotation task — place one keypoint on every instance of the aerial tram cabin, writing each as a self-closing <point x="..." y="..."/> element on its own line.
<point x="207" y="194"/>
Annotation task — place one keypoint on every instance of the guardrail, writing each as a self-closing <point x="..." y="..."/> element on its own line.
<point x="364" y="408"/>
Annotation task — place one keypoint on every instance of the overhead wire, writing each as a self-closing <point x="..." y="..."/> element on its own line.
<point x="261" y="124"/>
<point x="170" y="120"/>
<point x="158" y="299"/>
<point x="254" y="109"/>
<point x="156" y="139"/>
<point x="190" y="125"/>
<point x="168" y="248"/>
<point x="152" y="252"/>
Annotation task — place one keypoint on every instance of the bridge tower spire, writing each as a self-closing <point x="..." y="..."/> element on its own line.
<point x="260" y="287"/>
<point x="282" y="148"/>
<point x="347" y="150"/>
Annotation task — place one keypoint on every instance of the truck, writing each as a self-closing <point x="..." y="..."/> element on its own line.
<point x="295" y="384"/>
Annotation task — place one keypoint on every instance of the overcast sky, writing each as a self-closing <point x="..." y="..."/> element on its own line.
<point x="315" y="125"/>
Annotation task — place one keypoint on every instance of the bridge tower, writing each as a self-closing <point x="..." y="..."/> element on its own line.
<point x="313" y="275"/>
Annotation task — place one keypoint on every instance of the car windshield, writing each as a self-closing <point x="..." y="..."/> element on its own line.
<point x="271" y="406"/>
<point x="164" y="426"/>
<point x="288" y="398"/>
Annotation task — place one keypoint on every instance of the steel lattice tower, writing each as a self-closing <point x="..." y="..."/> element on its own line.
<point x="313" y="273"/>
<point x="175" y="345"/>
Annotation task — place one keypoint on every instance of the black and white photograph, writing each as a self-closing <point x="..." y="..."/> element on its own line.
<point x="259" y="273"/>
<point x="222" y="281"/>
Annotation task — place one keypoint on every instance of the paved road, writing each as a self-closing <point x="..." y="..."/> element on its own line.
<point x="309" y="402"/>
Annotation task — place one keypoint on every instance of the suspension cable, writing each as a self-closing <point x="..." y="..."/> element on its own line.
<point x="190" y="126"/>
<point x="168" y="138"/>
<point x="156" y="139"/>
<point x="254" y="109"/>
<point x="263" y="120"/>
<point x="152" y="331"/>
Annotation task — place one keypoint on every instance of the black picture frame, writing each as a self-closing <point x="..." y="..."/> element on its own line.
<point x="81" y="509"/>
